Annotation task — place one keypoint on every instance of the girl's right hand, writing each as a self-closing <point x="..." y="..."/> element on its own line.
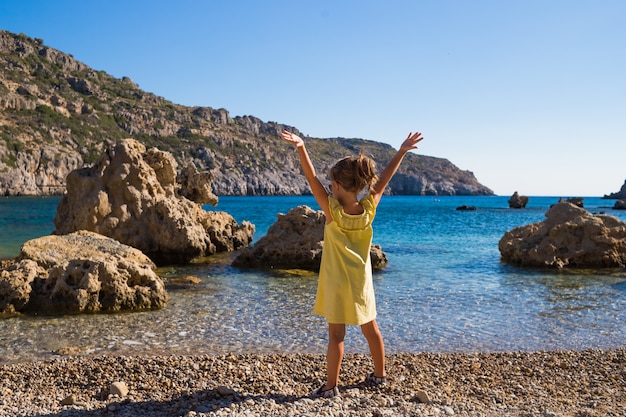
<point x="290" y="137"/>
<point x="411" y="141"/>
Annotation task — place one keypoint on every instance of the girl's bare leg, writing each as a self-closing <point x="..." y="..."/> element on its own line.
<point x="334" y="356"/>
<point x="377" y="347"/>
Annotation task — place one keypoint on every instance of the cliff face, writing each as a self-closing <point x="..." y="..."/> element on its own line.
<point x="57" y="114"/>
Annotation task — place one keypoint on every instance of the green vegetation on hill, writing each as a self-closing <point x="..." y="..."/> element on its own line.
<point x="58" y="115"/>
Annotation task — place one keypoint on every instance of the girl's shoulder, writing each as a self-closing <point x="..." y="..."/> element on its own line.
<point x="368" y="202"/>
<point x="353" y="221"/>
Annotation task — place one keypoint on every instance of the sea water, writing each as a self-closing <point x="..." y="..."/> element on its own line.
<point x="445" y="290"/>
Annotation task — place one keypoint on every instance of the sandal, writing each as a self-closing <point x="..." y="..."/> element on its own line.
<point x="325" y="393"/>
<point x="372" y="380"/>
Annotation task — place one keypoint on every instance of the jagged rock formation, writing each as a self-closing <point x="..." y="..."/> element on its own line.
<point x="77" y="273"/>
<point x="518" y="201"/>
<point x="295" y="241"/>
<point x="569" y="237"/>
<point x="57" y="115"/>
<point x="620" y="195"/>
<point x="132" y="195"/>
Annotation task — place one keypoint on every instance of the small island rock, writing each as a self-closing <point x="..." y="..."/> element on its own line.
<point x="577" y="201"/>
<point x="518" y="201"/>
<point x="620" y="205"/>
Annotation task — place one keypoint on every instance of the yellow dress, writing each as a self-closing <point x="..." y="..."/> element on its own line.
<point x="345" y="293"/>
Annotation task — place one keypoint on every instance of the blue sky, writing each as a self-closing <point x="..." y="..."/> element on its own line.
<point x="529" y="95"/>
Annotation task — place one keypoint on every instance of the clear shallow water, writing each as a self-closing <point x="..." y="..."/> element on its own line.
<point x="445" y="290"/>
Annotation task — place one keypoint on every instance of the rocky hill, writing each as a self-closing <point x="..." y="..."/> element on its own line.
<point x="57" y="114"/>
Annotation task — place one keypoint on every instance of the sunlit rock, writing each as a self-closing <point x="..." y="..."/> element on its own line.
<point x="569" y="237"/>
<point x="134" y="195"/>
<point x="295" y="240"/>
<point x="77" y="273"/>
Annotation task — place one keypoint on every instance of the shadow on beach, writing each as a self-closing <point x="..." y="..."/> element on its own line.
<point x="190" y="404"/>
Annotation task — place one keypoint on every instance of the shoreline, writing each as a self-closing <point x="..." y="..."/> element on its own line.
<point x="544" y="383"/>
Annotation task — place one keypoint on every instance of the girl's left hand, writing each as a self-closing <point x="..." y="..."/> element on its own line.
<point x="290" y="137"/>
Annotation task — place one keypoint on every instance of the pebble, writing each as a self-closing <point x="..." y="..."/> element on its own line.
<point x="69" y="400"/>
<point x="448" y="410"/>
<point x="118" y="388"/>
<point x="422" y="396"/>
<point x="553" y="384"/>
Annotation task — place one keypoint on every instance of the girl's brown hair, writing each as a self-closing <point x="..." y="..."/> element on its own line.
<point x="355" y="173"/>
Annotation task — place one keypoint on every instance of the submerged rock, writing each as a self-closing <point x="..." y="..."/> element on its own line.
<point x="295" y="240"/>
<point x="77" y="273"/>
<point x="134" y="196"/>
<point x="569" y="237"/>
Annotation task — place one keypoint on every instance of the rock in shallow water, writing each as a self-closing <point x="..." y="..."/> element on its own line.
<point x="80" y="272"/>
<point x="569" y="237"/>
<point x="295" y="240"/>
<point x="134" y="196"/>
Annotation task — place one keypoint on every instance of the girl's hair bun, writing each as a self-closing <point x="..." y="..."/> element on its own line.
<point x="355" y="173"/>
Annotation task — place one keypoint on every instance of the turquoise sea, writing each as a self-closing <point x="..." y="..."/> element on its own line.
<point x="445" y="290"/>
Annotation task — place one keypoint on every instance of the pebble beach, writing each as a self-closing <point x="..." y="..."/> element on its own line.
<point x="548" y="383"/>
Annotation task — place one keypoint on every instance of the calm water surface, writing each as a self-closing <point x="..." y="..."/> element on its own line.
<point x="445" y="290"/>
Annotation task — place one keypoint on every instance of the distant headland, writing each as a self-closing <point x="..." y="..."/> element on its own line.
<point x="59" y="115"/>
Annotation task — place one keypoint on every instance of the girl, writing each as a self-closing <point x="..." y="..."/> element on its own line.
<point x="345" y="293"/>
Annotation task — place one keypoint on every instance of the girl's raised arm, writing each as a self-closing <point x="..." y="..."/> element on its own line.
<point x="383" y="179"/>
<point x="317" y="188"/>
